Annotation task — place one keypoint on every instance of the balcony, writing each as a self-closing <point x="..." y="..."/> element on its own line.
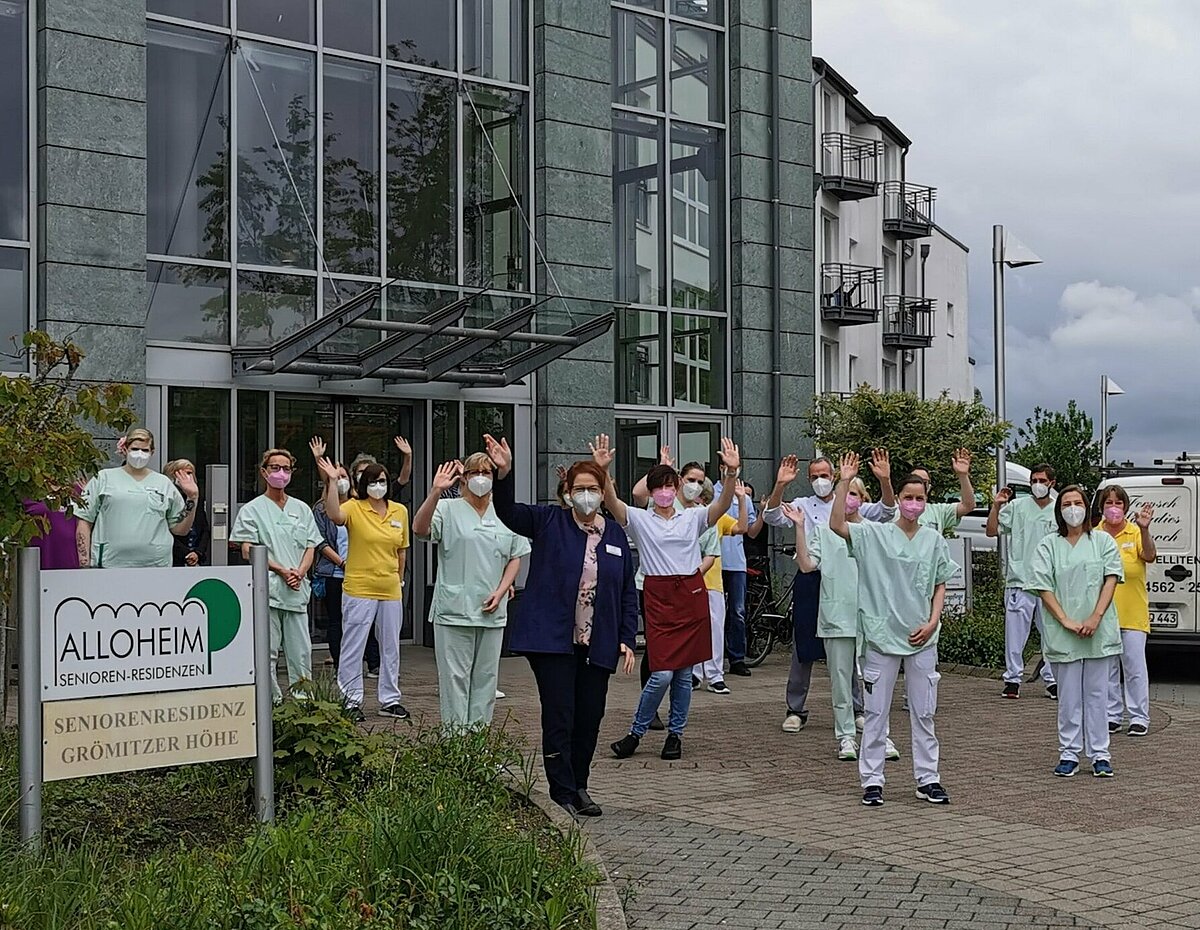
<point x="850" y="166"/>
<point x="850" y="294"/>
<point x="907" y="322"/>
<point x="908" y="209"/>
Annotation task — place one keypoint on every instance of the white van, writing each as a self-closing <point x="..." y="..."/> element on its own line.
<point x="1173" y="582"/>
<point x="973" y="524"/>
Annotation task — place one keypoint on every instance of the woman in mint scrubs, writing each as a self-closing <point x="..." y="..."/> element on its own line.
<point x="130" y="515"/>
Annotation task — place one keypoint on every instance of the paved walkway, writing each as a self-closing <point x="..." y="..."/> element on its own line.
<point x="758" y="828"/>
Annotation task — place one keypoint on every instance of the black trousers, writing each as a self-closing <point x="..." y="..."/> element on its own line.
<point x="333" y="634"/>
<point x="573" y="695"/>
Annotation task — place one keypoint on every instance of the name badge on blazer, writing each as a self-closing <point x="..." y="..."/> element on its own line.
<point x="612" y="550"/>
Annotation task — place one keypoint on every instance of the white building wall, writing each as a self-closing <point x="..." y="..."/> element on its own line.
<point x="947" y="365"/>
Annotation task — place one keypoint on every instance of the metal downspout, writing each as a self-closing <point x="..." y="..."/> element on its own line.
<point x="776" y="260"/>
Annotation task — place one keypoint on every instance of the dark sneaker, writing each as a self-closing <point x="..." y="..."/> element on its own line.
<point x="719" y="687"/>
<point x="570" y="809"/>
<point x="372" y="673"/>
<point x="1114" y="726"/>
<point x="656" y="723"/>
<point x="1102" y="768"/>
<point x="873" y="796"/>
<point x="672" y="748"/>
<point x="1012" y="690"/>
<point x="587" y="807"/>
<point x="1052" y="692"/>
<point x="626" y="746"/>
<point x="394" y="710"/>
<point x="1138" y="729"/>
<point x="741" y="669"/>
<point x="695" y="683"/>
<point x="356" y="715"/>
<point x="933" y="793"/>
<point x="1066" y="768"/>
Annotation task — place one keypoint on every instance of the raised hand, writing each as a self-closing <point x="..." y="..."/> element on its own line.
<point x="1144" y="516"/>
<point x="881" y="464"/>
<point x="187" y="485"/>
<point x="560" y="472"/>
<point x="795" y="514"/>
<point x="498" y="452"/>
<point x="789" y="468"/>
<point x="664" y="456"/>
<point x="602" y="451"/>
<point x="731" y="456"/>
<point x="961" y="462"/>
<point x="848" y="466"/>
<point x="447" y="475"/>
<point x="317" y="445"/>
<point x="1004" y="495"/>
<point x="328" y="470"/>
<point x="403" y="445"/>
<point x="739" y="490"/>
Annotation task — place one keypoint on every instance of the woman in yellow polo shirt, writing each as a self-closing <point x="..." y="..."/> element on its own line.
<point x="371" y="591"/>
<point x="1136" y="546"/>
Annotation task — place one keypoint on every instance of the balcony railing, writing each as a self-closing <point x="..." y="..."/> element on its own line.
<point x="907" y="322"/>
<point x="908" y="209"/>
<point x="850" y="166"/>
<point x="850" y="294"/>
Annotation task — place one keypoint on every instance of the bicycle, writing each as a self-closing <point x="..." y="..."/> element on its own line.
<point x="768" y="618"/>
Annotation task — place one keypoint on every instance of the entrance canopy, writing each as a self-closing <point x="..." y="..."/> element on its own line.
<point x="400" y="333"/>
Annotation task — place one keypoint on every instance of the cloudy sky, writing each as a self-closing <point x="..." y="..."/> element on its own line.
<point x="1076" y="124"/>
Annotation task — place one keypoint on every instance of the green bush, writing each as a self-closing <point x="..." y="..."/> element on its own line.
<point x="976" y="637"/>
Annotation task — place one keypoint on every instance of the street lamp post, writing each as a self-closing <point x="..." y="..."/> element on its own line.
<point x="1108" y="387"/>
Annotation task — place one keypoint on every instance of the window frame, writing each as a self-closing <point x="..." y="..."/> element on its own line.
<point x="31" y="193"/>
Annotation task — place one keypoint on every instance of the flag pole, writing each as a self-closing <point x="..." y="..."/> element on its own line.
<point x="998" y="323"/>
<point x="1103" y="423"/>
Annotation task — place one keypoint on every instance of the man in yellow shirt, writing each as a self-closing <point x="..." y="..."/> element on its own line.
<point x="713" y="671"/>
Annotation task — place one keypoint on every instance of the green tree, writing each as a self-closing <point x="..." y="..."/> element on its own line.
<point x="915" y="431"/>
<point x="1065" y="439"/>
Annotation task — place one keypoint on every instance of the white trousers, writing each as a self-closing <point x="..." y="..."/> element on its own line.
<point x="714" y="668"/>
<point x="358" y="613"/>
<point x="920" y="683"/>
<point x="1021" y="610"/>
<point x="1083" y="707"/>
<point x="1137" y="681"/>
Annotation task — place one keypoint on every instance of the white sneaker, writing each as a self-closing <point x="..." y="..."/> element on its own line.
<point x="793" y="723"/>
<point x="890" y="752"/>
<point x="860" y="723"/>
<point x="848" y="751"/>
<point x="500" y="695"/>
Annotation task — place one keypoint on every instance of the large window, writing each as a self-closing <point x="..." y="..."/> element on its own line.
<point x="291" y="166"/>
<point x="669" y="116"/>
<point x="15" y="199"/>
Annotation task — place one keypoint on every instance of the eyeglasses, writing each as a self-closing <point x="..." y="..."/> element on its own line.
<point x="590" y="488"/>
<point x="285" y="469"/>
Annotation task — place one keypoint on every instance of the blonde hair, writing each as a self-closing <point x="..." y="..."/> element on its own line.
<point x="135" y="433"/>
<point x="478" y="460"/>
<point x="707" y="492"/>
<point x="177" y="465"/>
<point x="271" y="453"/>
<point x="857" y="486"/>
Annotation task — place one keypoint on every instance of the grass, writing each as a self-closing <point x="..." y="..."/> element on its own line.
<point x="419" y="833"/>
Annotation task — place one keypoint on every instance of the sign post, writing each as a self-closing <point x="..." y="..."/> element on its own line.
<point x="29" y="714"/>
<point x="264" y="757"/>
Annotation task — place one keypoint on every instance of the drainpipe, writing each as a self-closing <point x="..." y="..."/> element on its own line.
<point x="924" y="357"/>
<point x="904" y="255"/>
<point x="776" y="237"/>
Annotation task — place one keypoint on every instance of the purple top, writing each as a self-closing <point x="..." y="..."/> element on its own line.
<point x="58" y="545"/>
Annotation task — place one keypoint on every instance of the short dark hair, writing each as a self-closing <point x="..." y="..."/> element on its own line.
<point x="690" y="465"/>
<point x="369" y="475"/>
<point x="1063" y="529"/>
<point x="661" y="476"/>
<point x="912" y="479"/>
<point x="917" y="468"/>
<point x="1047" y="470"/>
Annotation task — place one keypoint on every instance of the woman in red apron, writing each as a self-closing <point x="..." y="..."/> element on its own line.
<point x="678" y="634"/>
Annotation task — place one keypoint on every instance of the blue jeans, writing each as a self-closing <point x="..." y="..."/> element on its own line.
<point x="680" y="683"/>
<point x="735" y="615"/>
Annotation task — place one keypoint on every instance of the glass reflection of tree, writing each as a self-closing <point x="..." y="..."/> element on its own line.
<point x="351" y="209"/>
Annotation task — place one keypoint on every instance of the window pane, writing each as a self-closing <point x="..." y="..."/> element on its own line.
<point x="276" y="180"/>
<point x="351" y="167"/>
<point x="421" y="31"/>
<point x="445" y="432"/>
<point x="198" y="428"/>
<point x="187" y="143"/>
<point x="638" y="442"/>
<point x="640" y="246"/>
<point x="298" y="419"/>
<point x="285" y="19"/>
<point x="188" y="303"/>
<point x="253" y="439"/>
<point x="697" y="232"/>
<point x="494" y="34"/>
<point x="493" y="232"/>
<point x="708" y="11"/>
<point x="637" y="52"/>
<point x="485" y="418"/>
<point x="696" y="75"/>
<point x="698" y="357"/>
<point x="349" y="339"/>
<point x="422" y="245"/>
<point x="14" y="306"/>
<point x="270" y="306"/>
<point x="215" y="12"/>
<point x="699" y="442"/>
<point x="352" y="25"/>
<point x="641" y="347"/>
<point x="14" y="119"/>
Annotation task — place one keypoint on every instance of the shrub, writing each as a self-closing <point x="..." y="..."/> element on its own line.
<point x="976" y="637"/>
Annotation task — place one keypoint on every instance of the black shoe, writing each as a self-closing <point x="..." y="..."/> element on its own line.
<point x="656" y="723"/>
<point x="695" y="683"/>
<point x="672" y="748"/>
<point x="570" y="809"/>
<point x="933" y="793"/>
<point x="719" y="687"/>
<point x="356" y="715"/>
<point x="587" y="807"/>
<point x="1012" y="690"/>
<point x="740" y="669"/>
<point x="1114" y="727"/>
<point x="1052" y="692"/>
<point x="394" y="710"/>
<point x="626" y="746"/>
<point x="873" y="796"/>
<point x="1138" y="729"/>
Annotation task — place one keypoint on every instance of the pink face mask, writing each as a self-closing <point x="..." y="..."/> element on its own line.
<point x="853" y="502"/>
<point x="279" y="479"/>
<point x="1114" y="514"/>
<point x="663" y="497"/>
<point x="912" y="509"/>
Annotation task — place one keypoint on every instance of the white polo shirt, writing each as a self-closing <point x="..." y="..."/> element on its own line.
<point x="667" y="546"/>
<point x="817" y="511"/>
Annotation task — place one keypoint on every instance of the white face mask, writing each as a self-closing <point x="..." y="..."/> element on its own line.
<point x="377" y="489"/>
<point x="138" y="458"/>
<point x="822" y="487"/>
<point x="586" y="503"/>
<point x="1039" y="489"/>
<point x="479" y="485"/>
<point x="691" y="490"/>
<point x="1074" y="516"/>
<point x="343" y="486"/>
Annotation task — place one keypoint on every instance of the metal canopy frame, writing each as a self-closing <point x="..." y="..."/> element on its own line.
<point x="466" y="348"/>
<point x="397" y="346"/>
<point x="529" y="361"/>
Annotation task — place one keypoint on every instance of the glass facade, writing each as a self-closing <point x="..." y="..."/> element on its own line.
<point x="670" y="203"/>
<point x="290" y="141"/>
<point x="15" y="195"/>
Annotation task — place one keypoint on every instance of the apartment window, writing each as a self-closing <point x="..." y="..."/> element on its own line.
<point x="949" y="319"/>
<point x="830" y="244"/>
<point x="829" y="110"/>
<point x="829" y="366"/>
<point x="16" y="263"/>
<point x="891" y="382"/>
<point x="891" y="276"/>
<point x="852" y="373"/>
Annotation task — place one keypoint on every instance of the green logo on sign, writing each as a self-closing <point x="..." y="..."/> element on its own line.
<point x="224" y="613"/>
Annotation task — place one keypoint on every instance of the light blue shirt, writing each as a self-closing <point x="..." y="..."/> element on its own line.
<point x="733" y="552"/>
<point x="343" y="548"/>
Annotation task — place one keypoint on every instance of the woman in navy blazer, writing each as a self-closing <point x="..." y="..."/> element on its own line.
<point x="575" y="620"/>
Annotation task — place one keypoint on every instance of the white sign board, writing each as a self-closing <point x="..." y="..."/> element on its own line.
<point x="958" y="554"/>
<point x="115" y="631"/>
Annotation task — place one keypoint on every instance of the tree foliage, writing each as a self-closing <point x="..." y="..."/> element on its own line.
<point x="916" y="431"/>
<point x="1065" y="439"/>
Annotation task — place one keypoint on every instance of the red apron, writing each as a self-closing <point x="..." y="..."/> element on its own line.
<point x="678" y="631"/>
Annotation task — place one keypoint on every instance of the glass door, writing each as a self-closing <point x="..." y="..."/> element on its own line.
<point x="698" y="441"/>
<point x="637" y="444"/>
<point x="297" y="420"/>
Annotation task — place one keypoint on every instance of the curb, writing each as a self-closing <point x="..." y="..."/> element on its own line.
<point x="610" y="915"/>
<point x="971" y="671"/>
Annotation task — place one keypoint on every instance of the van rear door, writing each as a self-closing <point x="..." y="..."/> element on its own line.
<point x="1173" y="582"/>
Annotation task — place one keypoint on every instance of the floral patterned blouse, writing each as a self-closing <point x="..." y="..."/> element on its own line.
<point x="587" y="583"/>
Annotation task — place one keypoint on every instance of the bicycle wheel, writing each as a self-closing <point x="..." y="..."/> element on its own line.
<point x="760" y="637"/>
